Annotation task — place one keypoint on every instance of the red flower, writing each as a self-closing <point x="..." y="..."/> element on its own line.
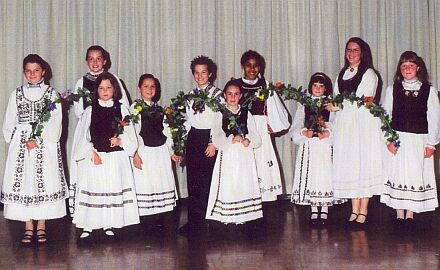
<point x="123" y="123"/>
<point x="278" y="84"/>
<point x="168" y="110"/>
<point x="368" y="101"/>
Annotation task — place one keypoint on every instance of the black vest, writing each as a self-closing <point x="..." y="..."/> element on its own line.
<point x="309" y="118"/>
<point x="240" y="119"/>
<point x="258" y="106"/>
<point x="409" y="109"/>
<point x="152" y="129"/>
<point x="350" y="86"/>
<point x="103" y="126"/>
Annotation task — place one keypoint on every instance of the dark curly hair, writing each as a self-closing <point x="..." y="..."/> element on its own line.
<point x="205" y="60"/>
<point x="250" y="54"/>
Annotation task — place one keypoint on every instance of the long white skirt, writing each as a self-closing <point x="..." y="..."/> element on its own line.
<point x="155" y="184"/>
<point x="105" y="195"/>
<point x="313" y="181"/>
<point x="267" y="163"/>
<point x="357" y="153"/>
<point x="235" y="195"/>
<point x="411" y="182"/>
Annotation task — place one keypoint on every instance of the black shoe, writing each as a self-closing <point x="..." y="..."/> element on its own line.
<point x="28" y="238"/>
<point x="323" y="221"/>
<point x="399" y="225"/>
<point x="410" y="225"/>
<point x="109" y="234"/>
<point x="86" y="240"/>
<point x="351" y="224"/>
<point x="314" y="221"/>
<point x="361" y="225"/>
<point x="185" y="230"/>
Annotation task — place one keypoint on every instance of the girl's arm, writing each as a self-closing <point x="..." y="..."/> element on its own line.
<point x="219" y="139"/>
<point x="433" y="115"/>
<point x="78" y="105"/>
<point x="278" y="117"/>
<point x="52" y="128"/>
<point x="296" y="132"/>
<point x="83" y="147"/>
<point x="10" y="119"/>
<point x="252" y="136"/>
<point x="128" y="138"/>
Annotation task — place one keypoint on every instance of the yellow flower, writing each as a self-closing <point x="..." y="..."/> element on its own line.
<point x="261" y="96"/>
<point x="139" y="108"/>
<point x="181" y="107"/>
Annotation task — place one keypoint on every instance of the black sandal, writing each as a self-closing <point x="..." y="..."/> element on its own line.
<point x="41" y="238"/>
<point x="27" y="239"/>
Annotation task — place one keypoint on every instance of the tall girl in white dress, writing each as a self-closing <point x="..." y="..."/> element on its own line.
<point x="34" y="185"/>
<point x="311" y="130"/>
<point x="358" y="142"/>
<point x="270" y="117"/>
<point x="235" y="195"/>
<point x="414" y="108"/>
<point x="105" y="194"/>
<point x="152" y="168"/>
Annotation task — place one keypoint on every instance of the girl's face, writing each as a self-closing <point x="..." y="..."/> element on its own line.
<point x="148" y="89"/>
<point x="318" y="89"/>
<point x="233" y="96"/>
<point x="409" y="70"/>
<point x="105" y="90"/>
<point x="95" y="61"/>
<point x="251" y="69"/>
<point x="33" y="72"/>
<point x="201" y="75"/>
<point x="353" y="54"/>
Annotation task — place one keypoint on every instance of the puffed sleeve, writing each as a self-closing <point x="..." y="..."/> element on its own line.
<point x="387" y="101"/>
<point x="298" y="126"/>
<point x="10" y="119"/>
<point x="52" y="128"/>
<point x="368" y="85"/>
<point x="219" y="139"/>
<point x="278" y="117"/>
<point x="78" y="106"/>
<point x="167" y="133"/>
<point x="253" y="134"/>
<point x="137" y="126"/>
<point x="433" y="115"/>
<point x="82" y="140"/>
<point x="128" y="138"/>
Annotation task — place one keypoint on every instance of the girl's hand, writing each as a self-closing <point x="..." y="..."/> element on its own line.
<point x="114" y="141"/>
<point x="429" y="152"/>
<point x="392" y="148"/>
<point x="176" y="158"/>
<point x="307" y="133"/>
<point x="245" y="142"/>
<point x="237" y="139"/>
<point x="31" y="144"/>
<point x="137" y="161"/>
<point x="324" y="134"/>
<point x="269" y="129"/>
<point x="96" y="159"/>
<point x="210" y="150"/>
<point x="329" y="107"/>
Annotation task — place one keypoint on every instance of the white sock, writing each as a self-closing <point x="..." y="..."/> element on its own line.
<point x="314" y="210"/>
<point x="324" y="212"/>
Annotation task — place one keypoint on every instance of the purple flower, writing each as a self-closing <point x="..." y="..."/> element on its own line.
<point x="65" y="94"/>
<point x="51" y="106"/>
<point x="396" y="143"/>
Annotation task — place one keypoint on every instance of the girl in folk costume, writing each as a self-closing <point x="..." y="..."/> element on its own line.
<point x="105" y="194"/>
<point x="414" y="108"/>
<point x="358" y="139"/>
<point x="313" y="184"/>
<point x="97" y="61"/>
<point x="235" y="195"/>
<point x="34" y="185"/>
<point x="270" y="117"/>
<point x="200" y="152"/>
<point x="152" y="168"/>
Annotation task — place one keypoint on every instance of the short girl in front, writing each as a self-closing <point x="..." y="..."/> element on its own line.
<point x="34" y="185"/>
<point x="414" y="108"/>
<point x="313" y="181"/>
<point x="105" y="194"/>
<point x="235" y="195"/>
<point x="152" y="168"/>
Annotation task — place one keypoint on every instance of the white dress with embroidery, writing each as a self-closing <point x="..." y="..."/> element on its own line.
<point x="411" y="183"/>
<point x="155" y="183"/>
<point x="358" y="144"/>
<point x="235" y="195"/>
<point x="313" y="181"/>
<point x="34" y="185"/>
<point x="105" y="193"/>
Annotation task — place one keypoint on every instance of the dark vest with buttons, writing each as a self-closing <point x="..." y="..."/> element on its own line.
<point x="103" y="126"/>
<point x="152" y="129"/>
<point x="350" y="86"/>
<point x="241" y="119"/>
<point x="258" y="106"/>
<point x="410" y="109"/>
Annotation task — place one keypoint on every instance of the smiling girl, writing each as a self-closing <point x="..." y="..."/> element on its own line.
<point x="414" y="108"/>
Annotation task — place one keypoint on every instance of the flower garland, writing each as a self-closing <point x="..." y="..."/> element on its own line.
<point x="44" y="115"/>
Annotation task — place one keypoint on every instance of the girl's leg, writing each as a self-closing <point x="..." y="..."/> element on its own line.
<point x="363" y="211"/>
<point x="314" y="213"/>
<point x="41" y="231"/>
<point x="28" y="232"/>
<point x="409" y="214"/>
<point x="324" y="212"/>
<point x="355" y="209"/>
<point x="400" y="213"/>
